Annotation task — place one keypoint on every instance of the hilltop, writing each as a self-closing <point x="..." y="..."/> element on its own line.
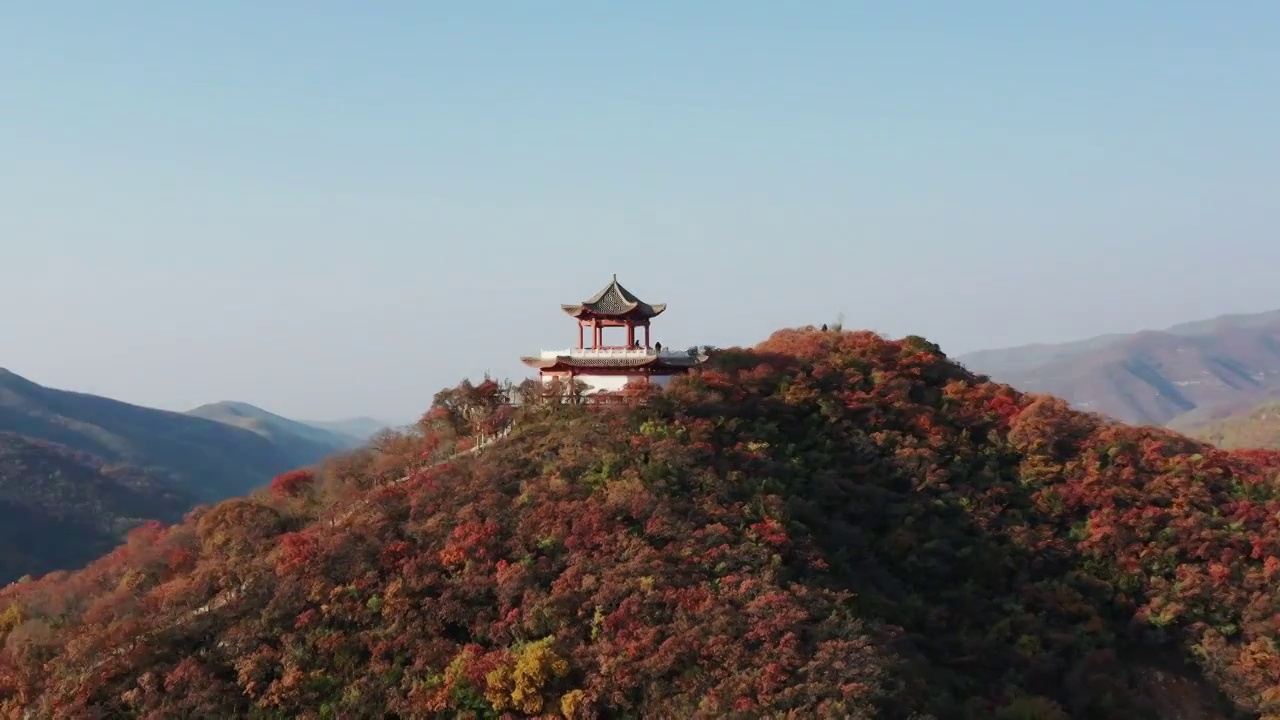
<point x="830" y="524"/>
<point x="60" y="509"/>
<point x="210" y="460"/>
<point x="1185" y="375"/>
<point x="301" y="440"/>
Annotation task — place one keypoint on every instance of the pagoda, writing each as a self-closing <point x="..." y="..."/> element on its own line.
<point x="602" y="367"/>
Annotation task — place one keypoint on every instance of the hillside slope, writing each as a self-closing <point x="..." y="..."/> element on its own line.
<point x="299" y="439"/>
<point x="61" y="509"/>
<point x="1189" y="373"/>
<point x="209" y="459"/>
<point x="1257" y="427"/>
<point x="828" y="525"/>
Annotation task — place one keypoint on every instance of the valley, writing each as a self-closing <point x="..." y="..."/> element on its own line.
<point x="60" y="509"/>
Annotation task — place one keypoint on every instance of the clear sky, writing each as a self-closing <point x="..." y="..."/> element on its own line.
<point x="337" y="208"/>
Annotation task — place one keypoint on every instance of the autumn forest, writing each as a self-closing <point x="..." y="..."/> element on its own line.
<point x="827" y="525"/>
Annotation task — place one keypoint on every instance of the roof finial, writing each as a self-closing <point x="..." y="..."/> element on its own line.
<point x="615" y="277"/>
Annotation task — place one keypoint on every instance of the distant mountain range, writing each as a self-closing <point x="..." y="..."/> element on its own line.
<point x="211" y="460"/>
<point x="360" y="428"/>
<point x="325" y="435"/>
<point x="1184" y="376"/>
<point x="296" y="438"/>
<point x="79" y="470"/>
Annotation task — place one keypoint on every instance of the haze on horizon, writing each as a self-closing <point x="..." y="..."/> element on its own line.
<point x="328" y="211"/>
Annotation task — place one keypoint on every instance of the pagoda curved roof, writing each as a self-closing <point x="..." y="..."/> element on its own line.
<point x="614" y="301"/>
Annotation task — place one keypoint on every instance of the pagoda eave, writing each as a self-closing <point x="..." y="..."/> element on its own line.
<point x="640" y="313"/>
<point x="614" y="302"/>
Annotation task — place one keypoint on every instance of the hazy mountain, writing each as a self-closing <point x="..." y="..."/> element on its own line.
<point x="209" y="459"/>
<point x="72" y="477"/>
<point x="1257" y="427"/>
<point x="60" y="508"/>
<point x="1187" y="374"/>
<point x="303" y="440"/>
<point x="358" y="429"/>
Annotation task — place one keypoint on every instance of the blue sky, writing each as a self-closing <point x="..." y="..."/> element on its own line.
<point x="329" y="210"/>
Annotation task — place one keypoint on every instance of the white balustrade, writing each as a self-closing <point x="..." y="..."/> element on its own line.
<point x="613" y="352"/>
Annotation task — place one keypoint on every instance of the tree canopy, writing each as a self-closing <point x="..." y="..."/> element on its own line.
<point x="830" y="524"/>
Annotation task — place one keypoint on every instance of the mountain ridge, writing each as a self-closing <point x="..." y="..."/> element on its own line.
<point x="1201" y="369"/>
<point x="1026" y="354"/>
<point x="212" y="459"/>
<point x="90" y="451"/>
<point x="303" y="439"/>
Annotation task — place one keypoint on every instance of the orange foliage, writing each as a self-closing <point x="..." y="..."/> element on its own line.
<point x="293" y="483"/>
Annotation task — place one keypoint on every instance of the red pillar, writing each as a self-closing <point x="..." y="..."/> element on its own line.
<point x="579" y="334"/>
<point x="631" y="335"/>
<point x="646" y="336"/>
